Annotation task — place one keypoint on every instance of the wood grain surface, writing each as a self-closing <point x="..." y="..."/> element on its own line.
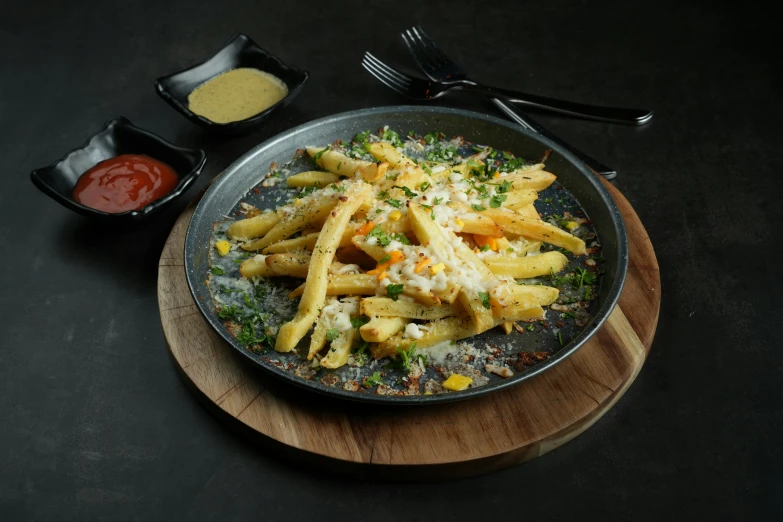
<point x="428" y="442"/>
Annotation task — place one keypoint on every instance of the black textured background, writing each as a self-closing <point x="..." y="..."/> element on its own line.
<point x="95" y="422"/>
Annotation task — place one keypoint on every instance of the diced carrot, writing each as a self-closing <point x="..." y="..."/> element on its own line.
<point x="421" y="265"/>
<point x="382" y="275"/>
<point x="365" y="229"/>
<point x="394" y="257"/>
<point x="486" y="240"/>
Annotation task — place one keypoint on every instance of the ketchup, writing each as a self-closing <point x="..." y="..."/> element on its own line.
<point x="127" y="182"/>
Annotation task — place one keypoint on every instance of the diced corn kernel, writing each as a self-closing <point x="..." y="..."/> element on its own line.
<point x="457" y="382"/>
<point x="434" y="269"/>
<point x="459" y="222"/>
<point x="572" y="225"/>
<point x="394" y="215"/>
<point x="427" y="392"/>
<point x="223" y="247"/>
<point x="298" y="202"/>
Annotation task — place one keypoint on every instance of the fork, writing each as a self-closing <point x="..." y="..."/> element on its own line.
<point x="413" y="88"/>
<point x="427" y="54"/>
<point x="437" y="66"/>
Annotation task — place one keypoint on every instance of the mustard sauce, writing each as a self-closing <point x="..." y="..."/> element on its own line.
<point x="237" y="95"/>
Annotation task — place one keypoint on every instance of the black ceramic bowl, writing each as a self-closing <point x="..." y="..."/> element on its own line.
<point x="118" y="136"/>
<point x="241" y="51"/>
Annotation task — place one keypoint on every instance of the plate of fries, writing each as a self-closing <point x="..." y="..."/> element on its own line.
<point x="406" y="255"/>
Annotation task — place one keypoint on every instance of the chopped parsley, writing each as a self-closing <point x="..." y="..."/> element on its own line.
<point x="531" y="328"/>
<point x="406" y="357"/>
<point x="504" y="187"/>
<point x="485" y="248"/>
<point x="391" y="177"/>
<point x="320" y="153"/>
<point x="432" y="137"/>
<point x="512" y="164"/>
<point x="424" y="186"/>
<point x="217" y="270"/>
<point x="560" y="338"/>
<point x="394" y="290"/>
<point x="497" y="201"/>
<point x="385" y="239"/>
<point x="507" y="155"/>
<point x="384" y="259"/>
<point x="484" y="299"/>
<point x="394" y="202"/>
<point x="478" y="208"/>
<point x="477" y="148"/>
<point x="408" y="192"/>
<point x="230" y="313"/>
<point x="383" y="194"/>
<point x="373" y="380"/>
<point x="306" y="191"/>
<point x="438" y="201"/>
<point x="392" y="137"/>
<point x="359" y="321"/>
<point x="362" y="137"/>
<point x="583" y="277"/>
<point x="337" y="188"/>
<point x="332" y="334"/>
<point x="360" y="355"/>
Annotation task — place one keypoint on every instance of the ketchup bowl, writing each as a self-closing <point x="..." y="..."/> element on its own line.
<point x="119" y="137"/>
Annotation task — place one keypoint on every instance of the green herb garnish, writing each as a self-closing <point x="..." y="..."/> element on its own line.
<point x="408" y="192"/>
<point x="478" y="208"/>
<point x="373" y="380"/>
<point x="394" y="290"/>
<point x="332" y="334"/>
<point x="394" y="202"/>
<point x="361" y="320"/>
<point x="484" y="299"/>
<point x="218" y="271"/>
<point x="320" y="153"/>
<point x="497" y="201"/>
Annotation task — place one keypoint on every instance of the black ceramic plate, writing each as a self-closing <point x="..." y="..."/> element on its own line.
<point x="241" y="51"/>
<point x="118" y="136"/>
<point x="583" y="189"/>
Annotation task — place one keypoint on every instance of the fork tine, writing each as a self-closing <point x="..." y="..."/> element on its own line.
<point x="430" y="44"/>
<point x="421" y="58"/>
<point x="423" y="53"/>
<point x="384" y="78"/>
<point x="394" y="73"/>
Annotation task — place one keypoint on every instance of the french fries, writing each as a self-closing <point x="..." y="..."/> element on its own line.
<point x="309" y="212"/>
<point x="344" y="284"/>
<point x="388" y="153"/>
<point x="385" y="307"/>
<point x="304" y="242"/>
<point x="255" y="267"/>
<point x="339" y="350"/>
<point x="536" y="229"/>
<point x="381" y="328"/>
<point x="336" y="162"/>
<point x="399" y="243"/>
<point x="316" y="283"/>
<point x="254" y="227"/>
<point x="528" y="266"/>
<point x="312" y="178"/>
<point x="289" y="264"/>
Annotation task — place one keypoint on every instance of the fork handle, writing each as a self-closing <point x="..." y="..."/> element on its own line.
<point x="529" y="123"/>
<point x="593" y="112"/>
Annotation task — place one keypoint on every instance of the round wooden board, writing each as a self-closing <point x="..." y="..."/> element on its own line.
<point x="443" y="441"/>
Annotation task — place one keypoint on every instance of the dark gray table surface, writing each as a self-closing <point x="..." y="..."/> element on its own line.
<point x="95" y="421"/>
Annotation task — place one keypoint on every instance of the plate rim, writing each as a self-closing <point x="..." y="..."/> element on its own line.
<point x="599" y="318"/>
